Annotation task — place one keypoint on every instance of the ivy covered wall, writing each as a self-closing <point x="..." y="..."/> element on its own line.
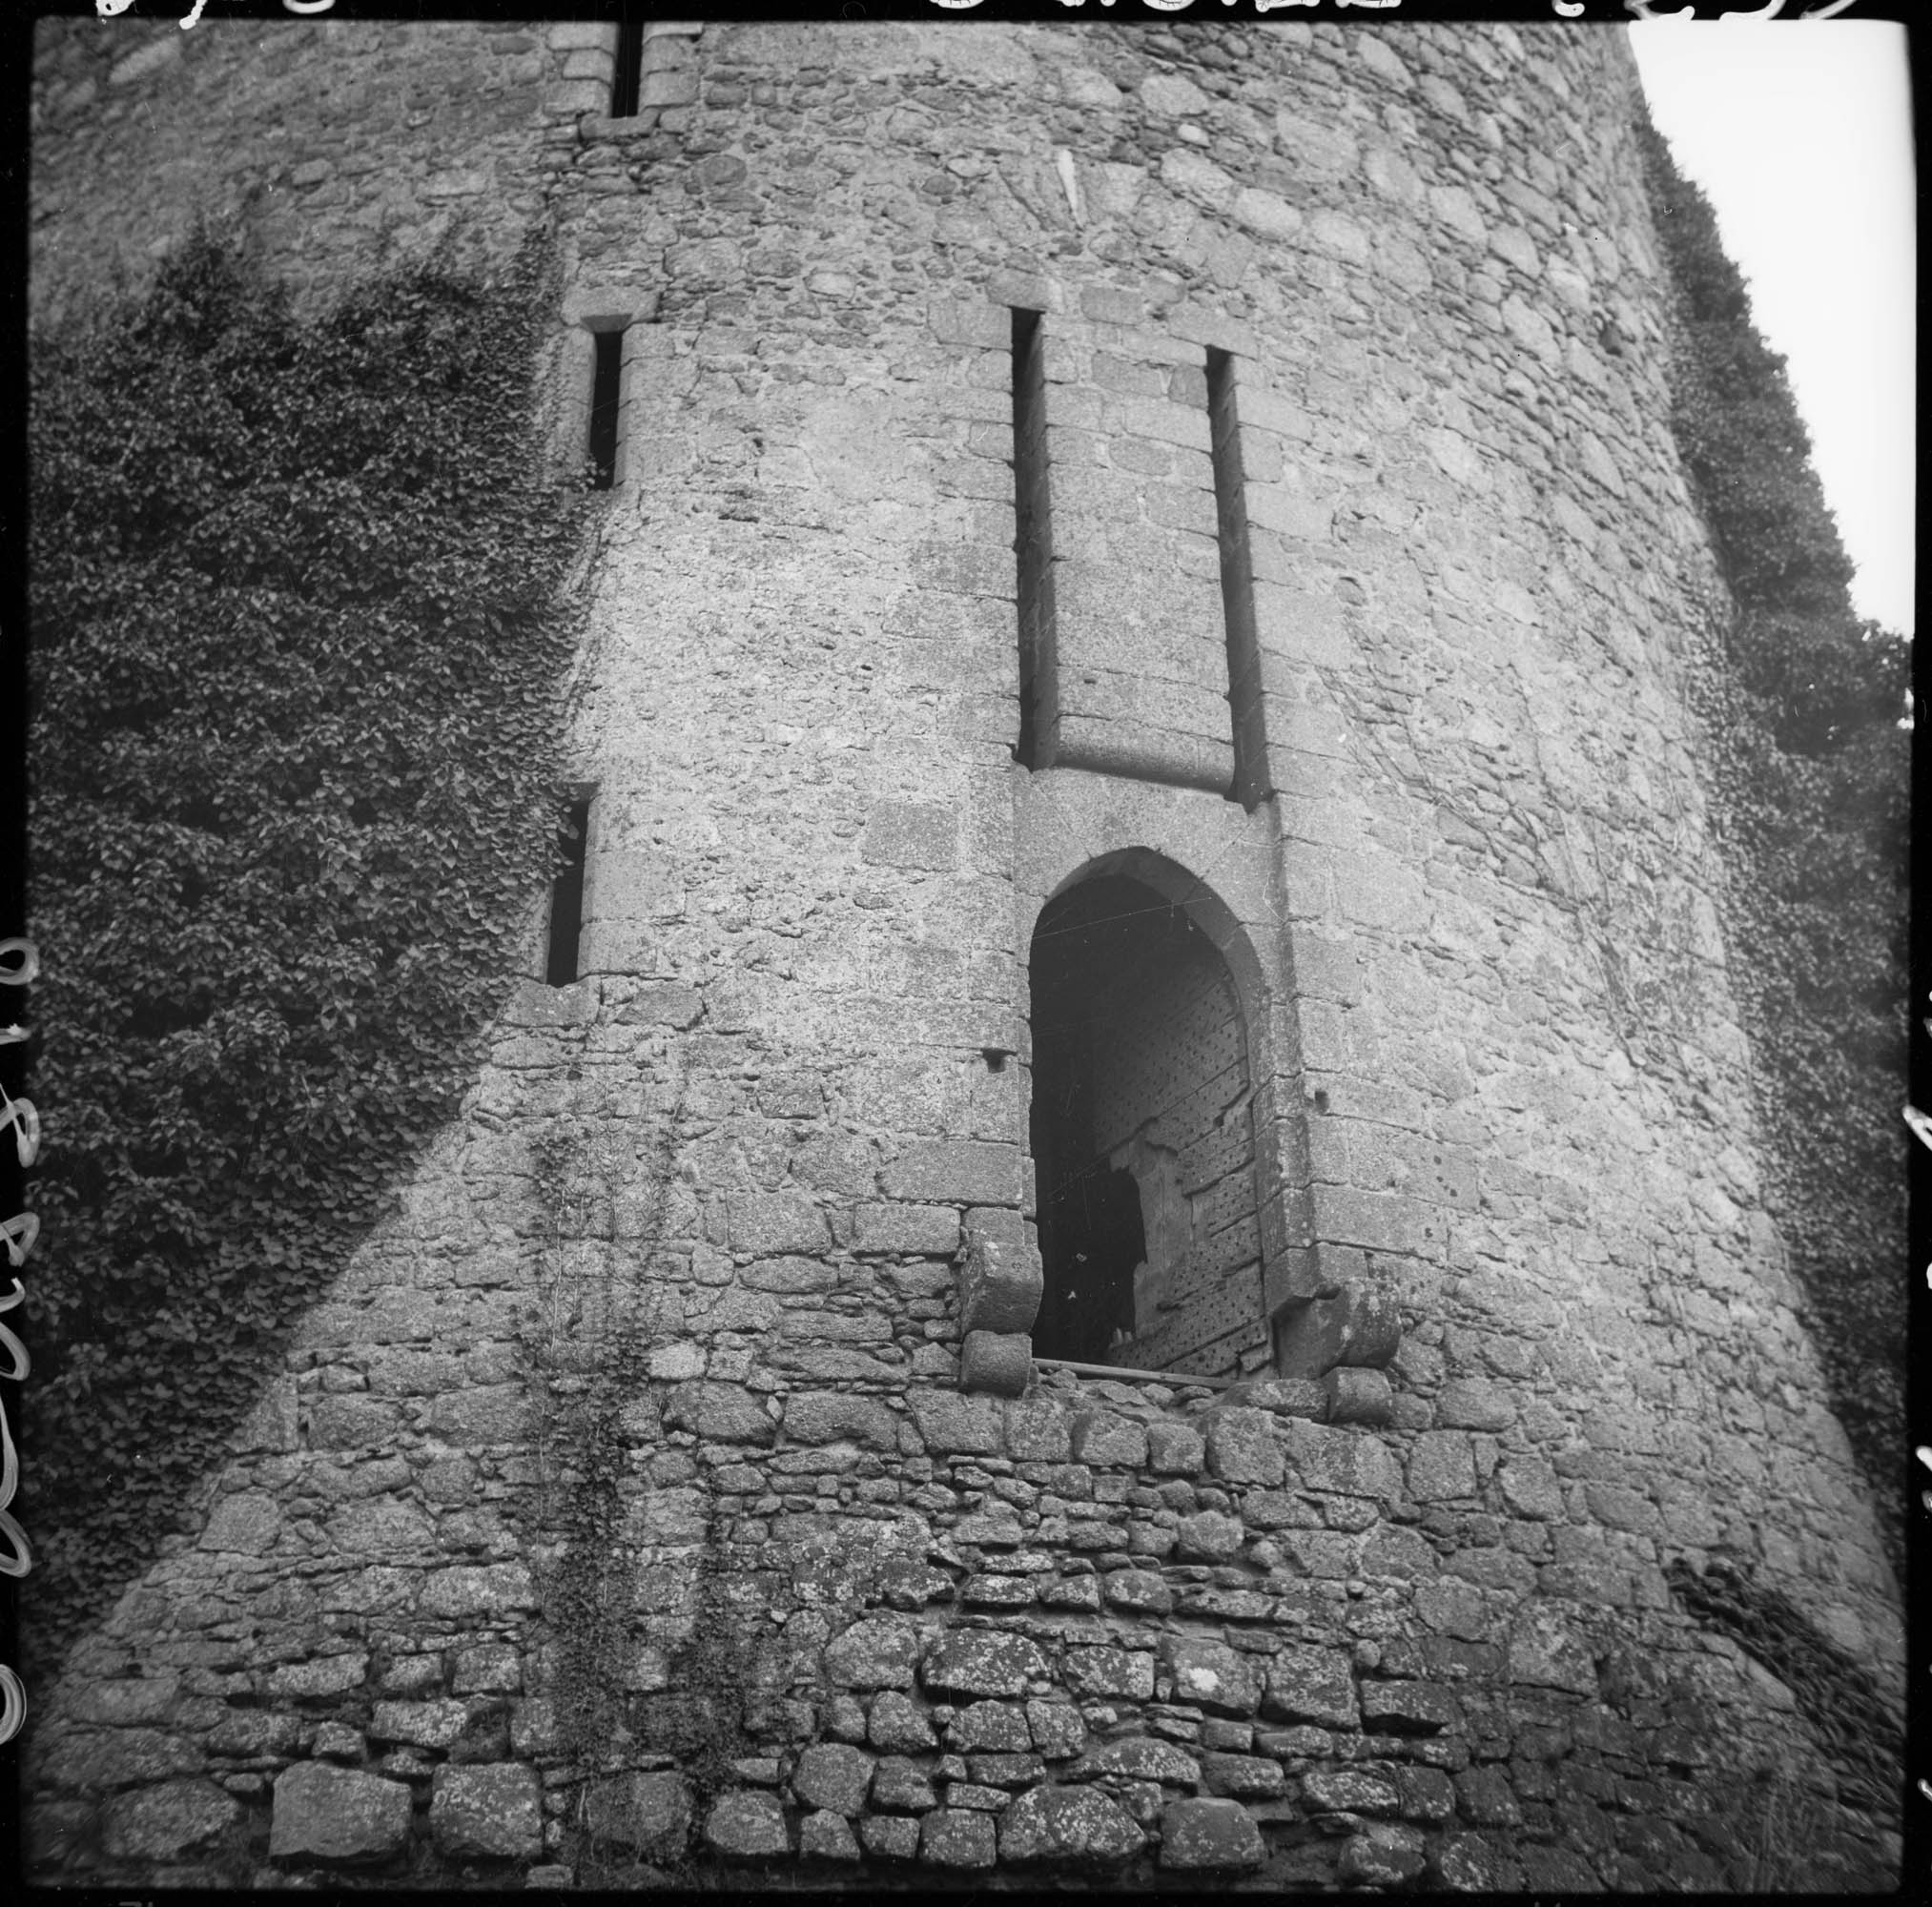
<point x="298" y="663"/>
<point x="1803" y="707"/>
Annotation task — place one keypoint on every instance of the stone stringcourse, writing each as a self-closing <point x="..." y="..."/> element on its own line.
<point x="1030" y="439"/>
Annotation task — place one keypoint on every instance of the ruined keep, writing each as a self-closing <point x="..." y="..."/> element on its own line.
<point x="1142" y="812"/>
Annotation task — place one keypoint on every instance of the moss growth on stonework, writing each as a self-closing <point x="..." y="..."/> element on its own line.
<point x="587" y="1343"/>
<point x="1802" y="710"/>
<point x="298" y="651"/>
<point x="1839" y="1704"/>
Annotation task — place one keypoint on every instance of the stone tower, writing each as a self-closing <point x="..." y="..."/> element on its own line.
<point x="1145" y="1196"/>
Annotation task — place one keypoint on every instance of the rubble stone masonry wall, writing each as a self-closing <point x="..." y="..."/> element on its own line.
<point x="639" y="1502"/>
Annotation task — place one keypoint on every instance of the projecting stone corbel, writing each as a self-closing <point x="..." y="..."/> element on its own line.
<point x="1000" y="1362"/>
<point x="1292" y="1274"/>
<point x="1344" y="1341"/>
<point x="999" y="1286"/>
<point x="1357" y="1396"/>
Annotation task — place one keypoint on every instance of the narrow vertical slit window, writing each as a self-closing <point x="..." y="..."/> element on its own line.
<point x="1237" y="586"/>
<point x="607" y="383"/>
<point x="1033" y="534"/>
<point x="627" y="77"/>
<point x="566" y="897"/>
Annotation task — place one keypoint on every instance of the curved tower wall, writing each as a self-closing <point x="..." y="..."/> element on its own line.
<point x="1340" y="480"/>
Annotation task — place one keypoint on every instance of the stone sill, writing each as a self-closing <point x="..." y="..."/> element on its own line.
<point x="1174" y="1380"/>
<point x="594" y="127"/>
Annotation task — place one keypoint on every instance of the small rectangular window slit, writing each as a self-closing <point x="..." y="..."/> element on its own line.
<point x="1245" y="706"/>
<point x="567" y="897"/>
<point x="626" y="79"/>
<point x="1033" y="540"/>
<point x="607" y="387"/>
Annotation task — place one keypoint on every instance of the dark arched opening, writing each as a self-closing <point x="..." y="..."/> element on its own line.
<point x="1142" y="1139"/>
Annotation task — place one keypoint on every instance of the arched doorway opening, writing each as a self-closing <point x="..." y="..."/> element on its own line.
<point x="1142" y="1139"/>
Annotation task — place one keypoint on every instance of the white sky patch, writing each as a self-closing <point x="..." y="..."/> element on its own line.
<point x="1801" y="136"/>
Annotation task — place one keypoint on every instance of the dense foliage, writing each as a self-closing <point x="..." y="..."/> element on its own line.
<point x="294" y="585"/>
<point x="1812" y="773"/>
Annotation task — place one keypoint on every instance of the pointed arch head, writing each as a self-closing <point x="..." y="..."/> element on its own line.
<point x="1193" y="896"/>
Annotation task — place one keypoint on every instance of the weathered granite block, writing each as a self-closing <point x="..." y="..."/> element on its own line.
<point x="902" y="1786"/>
<point x="650" y="1813"/>
<point x="329" y="1814"/>
<point x="990" y="1725"/>
<point x="325" y="1676"/>
<point x="1406" y="1708"/>
<point x="1383" y="1854"/>
<point x="1243" y="1446"/>
<point x="1000" y="1285"/>
<point x="1138" y="1759"/>
<point x="879" y="1651"/>
<point x="1209" y="1834"/>
<point x="1249" y="1777"/>
<point x="957" y="1837"/>
<point x="1174" y="1449"/>
<point x="827" y="1837"/>
<point x="493" y="1809"/>
<point x="1312" y="1685"/>
<point x="1139" y="1591"/>
<point x="981" y="1662"/>
<point x="1350" y="1791"/>
<point x="721" y="1413"/>
<point x="998" y="1362"/>
<point x="747" y="1824"/>
<point x="1349" y="1461"/>
<point x="1067" y="1827"/>
<point x="1100" y="1437"/>
<point x="899" y="1725"/>
<point x="890" y="1837"/>
<point x="1110" y="1671"/>
<point x="1059" y="1728"/>
<point x="1356" y="1396"/>
<point x="1226" y="1680"/>
<point x="1361" y="1326"/>
<point x="834" y="1777"/>
<point x="148" y="1698"/>
<point x="949" y="1421"/>
<point x="1287" y="1397"/>
<point x="425" y="1724"/>
<point x="825" y="1417"/>
<point x="167" y="1823"/>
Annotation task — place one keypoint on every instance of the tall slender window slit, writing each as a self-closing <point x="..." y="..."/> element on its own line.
<point x="1237" y="584"/>
<point x="625" y="81"/>
<point x="606" y="388"/>
<point x="1033" y="534"/>
<point x="567" y="897"/>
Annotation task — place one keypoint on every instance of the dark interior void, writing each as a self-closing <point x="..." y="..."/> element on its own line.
<point x="1139" y="1069"/>
<point x="606" y="384"/>
<point x="628" y="73"/>
<point x="567" y="897"/>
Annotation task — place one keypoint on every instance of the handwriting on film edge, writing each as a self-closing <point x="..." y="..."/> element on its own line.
<point x="1568" y="9"/>
<point x="19" y="1234"/>
<point x="108" y="10"/>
